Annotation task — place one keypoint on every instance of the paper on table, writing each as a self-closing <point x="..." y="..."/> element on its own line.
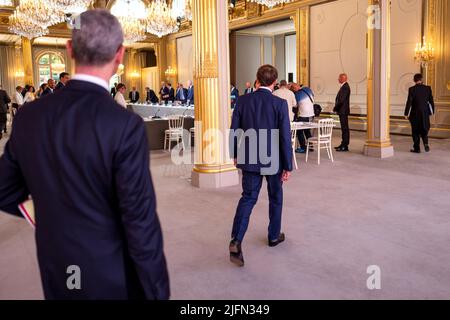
<point x="27" y="210"/>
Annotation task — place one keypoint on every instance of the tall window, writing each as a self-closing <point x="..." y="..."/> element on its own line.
<point x="50" y="65"/>
<point x="6" y="3"/>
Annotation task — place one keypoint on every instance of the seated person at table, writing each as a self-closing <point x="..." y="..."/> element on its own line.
<point x="134" y="95"/>
<point x="164" y="92"/>
<point x="181" y="94"/>
<point x="305" y="113"/>
<point x="151" y="96"/>
<point x="120" y="98"/>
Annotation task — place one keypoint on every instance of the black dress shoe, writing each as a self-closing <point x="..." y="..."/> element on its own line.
<point x="415" y="151"/>
<point x="337" y="148"/>
<point x="427" y="148"/>
<point x="343" y="149"/>
<point x="280" y="239"/>
<point x="236" y="255"/>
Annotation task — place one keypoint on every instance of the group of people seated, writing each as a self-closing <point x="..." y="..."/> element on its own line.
<point x="184" y="96"/>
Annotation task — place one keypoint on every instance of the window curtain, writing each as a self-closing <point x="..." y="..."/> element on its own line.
<point x="9" y="65"/>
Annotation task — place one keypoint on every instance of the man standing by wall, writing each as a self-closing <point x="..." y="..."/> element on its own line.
<point x="342" y="108"/>
<point x="134" y="95"/>
<point x="64" y="77"/>
<point x="88" y="174"/>
<point x="268" y="116"/>
<point x="419" y="108"/>
<point x="4" y="100"/>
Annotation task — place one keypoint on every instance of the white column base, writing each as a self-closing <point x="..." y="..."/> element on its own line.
<point x="379" y="152"/>
<point x="215" y="180"/>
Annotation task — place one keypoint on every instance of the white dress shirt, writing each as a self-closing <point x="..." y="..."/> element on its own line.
<point x="92" y="79"/>
<point x="289" y="96"/>
<point x="29" y="97"/>
<point x="119" y="98"/>
<point x="17" y="98"/>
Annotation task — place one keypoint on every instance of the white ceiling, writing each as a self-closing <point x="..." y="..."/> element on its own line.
<point x="273" y="28"/>
<point x="9" y="38"/>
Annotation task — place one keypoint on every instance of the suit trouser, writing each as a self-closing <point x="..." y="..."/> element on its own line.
<point x="251" y="185"/>
<point x="418" y="131"/>
<point x="343" y="118"/>
<point x="3" y="120"/>
<point x="304" y="135"/>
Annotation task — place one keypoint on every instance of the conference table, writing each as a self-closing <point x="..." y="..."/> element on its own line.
<point x="156" y="120"/>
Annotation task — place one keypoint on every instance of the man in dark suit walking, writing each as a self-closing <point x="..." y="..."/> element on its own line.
<point x="260" y="119"/>
<point x="134" y="95"/>
<point x="419" y="108"/>
<point x="88" y="175"/>
<point x="64" y="78"/>
<point x="342" y="108"/>
<point x="4" y="100"/>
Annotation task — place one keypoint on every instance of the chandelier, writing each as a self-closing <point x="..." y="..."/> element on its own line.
<point x="160" y="20"/>
<point x="424" y="53"/>
<point x="22" y="26"/>
<point x="71" y="6"/>
<point x="40" y="12"/>
<point x="131" y="15"/>
<point x="270" y="3"/>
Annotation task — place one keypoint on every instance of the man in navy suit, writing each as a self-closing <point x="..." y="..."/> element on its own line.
<point x="97" y="231"/>
<point x="234" y="95"/>
<point x="261" y="146"/>
<point x="190" y="94"/>
<point x="181" y="94"/>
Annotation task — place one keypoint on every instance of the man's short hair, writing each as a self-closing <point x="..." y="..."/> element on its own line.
<point x="50" y="80"/>
<point x="267" y="75"/>
<point x="97" y="39"/>
<point x="283" y="83"/>
<point x="62" y="75"/>
<point x="418" y="77"/>
<point x="18" y="88"/>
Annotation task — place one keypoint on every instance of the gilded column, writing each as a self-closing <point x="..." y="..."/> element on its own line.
<point x="213" y="167"/>
<point x="161" y="57"/>
<point x="301" y="21"/>
<point x="378" y="142"/>
<point x="27" y="57"/>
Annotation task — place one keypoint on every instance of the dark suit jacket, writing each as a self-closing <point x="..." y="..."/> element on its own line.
<point x="234" y="96"/>
<point x="4" y="100"/>
<point x="342" y="105"/>
<point x="60" y="85"/>
<point x="248" y="90"/>
<point x="190" y="95"/>
<point x="262" y="110"/>
<point x="171" y="94"/>
<point x="420" y="106"/>
<point x="113" y="91"/>
<point x="151" y="96"/>
<point x="136" y="98"/>
<point x="178" y="95"/>
<point x="165" y="94"/>
<point x="88" y="173"/>
<point x="47" y="91"/>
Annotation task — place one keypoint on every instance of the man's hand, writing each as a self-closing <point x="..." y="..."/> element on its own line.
<point x="285" y="176"/>
<point x="406" y="117"/>
<point x="235" y="162"/>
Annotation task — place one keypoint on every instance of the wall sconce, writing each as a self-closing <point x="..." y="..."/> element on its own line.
<point x="424" y="53"/>
<point x="170" y="72"/>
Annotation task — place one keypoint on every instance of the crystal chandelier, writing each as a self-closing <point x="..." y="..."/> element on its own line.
<point x="270" y="3"/>
<point x="188" y="10"/>
<point x="40" y="12"/>
<point x="131" y="15"/>
<point x="21" y="25"/>
<point x="160" y="20"/>
<point x="71" y="6"/>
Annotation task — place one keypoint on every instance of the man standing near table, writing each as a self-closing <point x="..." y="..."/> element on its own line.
<point x="164" y="93"/>
<point x="268" y="116"/>
<point x="190" y="94"/>
<point x="342" y="108"/>
<point x="133" y="95"/>
<point x="151" y="96"/>
<point x="305" y="113"/>
<point x="181" y="94"/>
<point x="4" y="100"/>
